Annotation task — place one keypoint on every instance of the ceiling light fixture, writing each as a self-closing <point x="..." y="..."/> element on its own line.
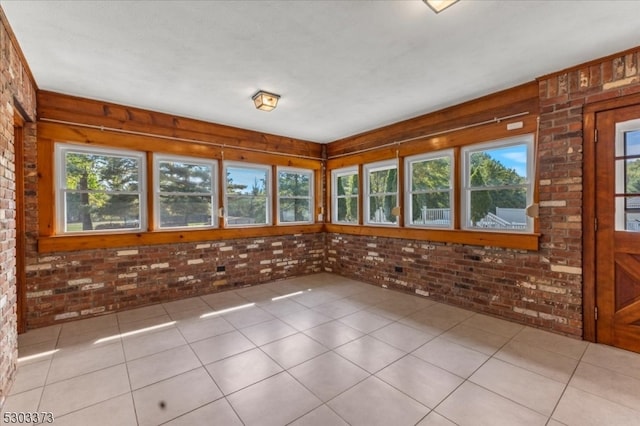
<point x="439" y="5"/>
<point x="265" y="101"/>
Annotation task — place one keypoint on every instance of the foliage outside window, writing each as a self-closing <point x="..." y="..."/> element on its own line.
<point x="345" y="195"/>
<point x="295" y="195"/>
<point x="381" y="183"/>
<point x="185" y="194"/>
<point x="247" y="194"/>
<point x="99" y="189"/>
<point x="430" y="190"/>
<point x="498" y="185"/>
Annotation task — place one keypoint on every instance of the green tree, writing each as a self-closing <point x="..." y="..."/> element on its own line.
<point x="434" y="176"/>
<point x="347" y="192"/>
<point x="177" y="182"/>
<point x="487" y="172"/>
<point x="633" y="177"/>
<point x="94" y="184"/>
<point x="294" y="190"/>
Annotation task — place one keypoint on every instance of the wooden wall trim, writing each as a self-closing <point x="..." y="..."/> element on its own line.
<point x="66" y="243"/>
<point x="519" y="99"/>
<point x="485" y="133"/>
<point x="71" y="109"/>
<point x="84" y="135"/>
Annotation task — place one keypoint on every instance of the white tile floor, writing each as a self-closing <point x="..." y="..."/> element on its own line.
<point x="340" y="352"/>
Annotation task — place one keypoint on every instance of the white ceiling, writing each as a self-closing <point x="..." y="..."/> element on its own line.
<point x="342" y="67"/>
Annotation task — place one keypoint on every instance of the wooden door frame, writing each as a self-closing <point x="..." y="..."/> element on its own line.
<point x="589" y="208"/>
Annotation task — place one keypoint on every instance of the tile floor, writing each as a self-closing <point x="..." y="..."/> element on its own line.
<point x="338" y="352"/>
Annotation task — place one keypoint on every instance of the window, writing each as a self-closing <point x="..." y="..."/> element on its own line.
<point x="345" y="195"/>
<point x="430" y="190"/>
<point x="628" y="176"/>
<point x="185" y="192"/>
<point x="247" y="194"/>
<point x="99" y="189"/>
<point x="381" y="187"/>
<point x="498" y="185"/>
<point x="295" y="195"/>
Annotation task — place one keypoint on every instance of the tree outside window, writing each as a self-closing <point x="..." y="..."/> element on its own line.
<point x="99" y="189"/>
<point x="430" y="190"/>
<point x="295" y="195"/>
<point x="345" y="190"/>
<point x="185" y="194"/>
<point x="498" y="186"/>
<point x="382" y="192"/>
<point x="247" y="195"/>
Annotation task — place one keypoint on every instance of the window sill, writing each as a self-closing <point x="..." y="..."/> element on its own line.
<point x="66" y="243"/>
<point x="510" y="240"/>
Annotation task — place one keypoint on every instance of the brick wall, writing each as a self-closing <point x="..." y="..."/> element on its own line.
<point x="15" y="86"/>
<point x="542" y="288"/>
<point x="73" y="285"/>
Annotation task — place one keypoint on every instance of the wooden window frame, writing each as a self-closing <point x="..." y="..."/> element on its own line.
<point x="408" y="162"/>
<point x="456" y="140"/>
<point x="310" y="197"/>
<point x="60" y="185"/>
<point x="157" y="159"/>
<point x="464" y="175"/>
<point x="269" y="213"/>
<point x="366" y="195"/>
<point x="335" y="174"/>
<point x="50" y="241"/>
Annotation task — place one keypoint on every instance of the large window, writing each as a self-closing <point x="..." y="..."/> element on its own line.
<point x="99" y="189"/>
<point x="498" y="185"/>
<point x="247" y="194"/>
<point x="185" y="192"/>
<point x="430" y="190"/>
<point x="345" y="195"/>
<point x="295" y="195"/>
<point x="381" y="183"/>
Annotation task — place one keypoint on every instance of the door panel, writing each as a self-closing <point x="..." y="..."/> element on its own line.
<point x="618" y="227"/>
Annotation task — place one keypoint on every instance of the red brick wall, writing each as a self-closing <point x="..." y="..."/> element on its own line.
<point x="542" y="288"/>
<point x="73" y="285"/>
<point x="15" y="86"/>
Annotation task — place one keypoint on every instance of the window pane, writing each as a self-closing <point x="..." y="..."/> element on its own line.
<point x="380" y="207"/>
<point x="501" y="209"/>
<point x="292" y="184"/>
<point x="98" y="211"/>
<point x="185" y="210"/>
<point x="632" y="176"/>
<point x="347" y="184"/>
<point x="431" y="174"/>
<point x="498" y="167"/>
<point x="632" y="143"/>
<point x="246" y="181"/>
<point x="246" y="209"/>
<point x="631" y="208"/>
<point x="432" y="209"/>
<point x="184" y="177"/>
<point x="348" y="209"/>
<point x="294" y="210"/>
<point x="101" y="172"/>
<point x="383" y="181"/>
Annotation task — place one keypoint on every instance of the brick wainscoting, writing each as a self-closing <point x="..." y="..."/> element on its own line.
<point x="73" y="285"/>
